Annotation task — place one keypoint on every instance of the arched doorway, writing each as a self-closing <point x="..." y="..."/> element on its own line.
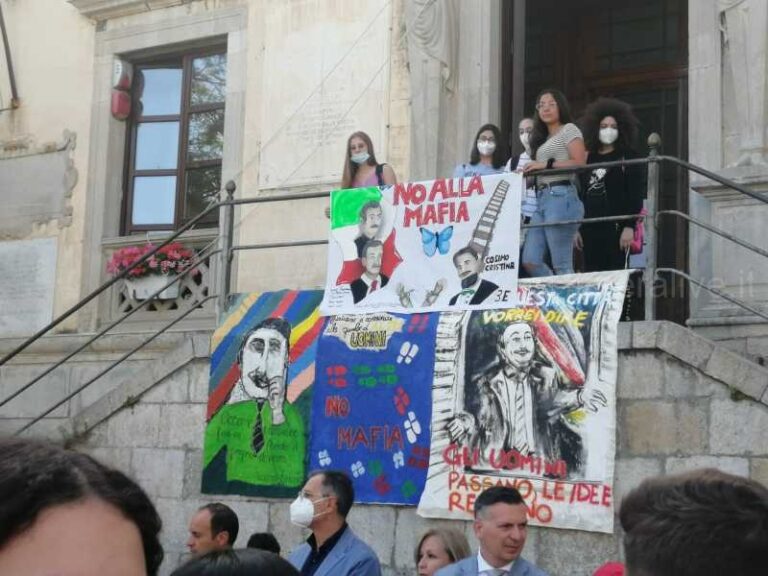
<point x="636" y="51"/>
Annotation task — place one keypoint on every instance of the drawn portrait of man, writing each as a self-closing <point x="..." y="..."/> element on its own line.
<point x="372" y="278"/>
<point x="370" y="225"/>
<point x="263" y="435"/>
<point x="474" y="289"/>
<point x="520" y="402"/>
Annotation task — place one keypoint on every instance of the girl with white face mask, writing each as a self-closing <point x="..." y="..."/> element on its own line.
<point x="487" y="155"/>
<point x="610" y="127"/>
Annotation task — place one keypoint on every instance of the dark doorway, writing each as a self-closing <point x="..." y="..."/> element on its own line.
<point x="635" y="51"/>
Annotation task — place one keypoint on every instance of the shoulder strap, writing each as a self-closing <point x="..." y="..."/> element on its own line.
<point x="379" y="171"/>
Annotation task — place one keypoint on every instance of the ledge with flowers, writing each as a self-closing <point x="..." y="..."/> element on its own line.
<point x="144" y="279"/>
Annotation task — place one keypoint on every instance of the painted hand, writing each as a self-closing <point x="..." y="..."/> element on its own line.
<point x="593" y="399"/>
<point x="460" y="426"/>
<point x="276" y="397"/>
<point x="432" y="295"/>
<point x="404" y="295"/>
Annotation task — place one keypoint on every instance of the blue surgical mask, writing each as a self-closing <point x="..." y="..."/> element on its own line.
<point x="360" y="157"/>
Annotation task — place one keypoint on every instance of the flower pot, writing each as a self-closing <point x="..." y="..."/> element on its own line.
<point x="142" y="288"/>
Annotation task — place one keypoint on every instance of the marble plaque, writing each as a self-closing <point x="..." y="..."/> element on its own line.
<point x="27" y="281"/>
<point x="326" y="70"/>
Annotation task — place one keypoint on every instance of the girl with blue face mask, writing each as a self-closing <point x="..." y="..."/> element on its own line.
<point x="361" y="169"/>
<point x="487" y="156"/>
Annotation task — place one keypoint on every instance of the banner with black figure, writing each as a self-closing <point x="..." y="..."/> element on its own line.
<point x="530" y="401"/>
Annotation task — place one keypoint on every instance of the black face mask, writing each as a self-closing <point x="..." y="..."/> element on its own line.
<point x="469" y="280"/>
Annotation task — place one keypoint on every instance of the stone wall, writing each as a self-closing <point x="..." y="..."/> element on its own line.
<point x="682" y="403"/>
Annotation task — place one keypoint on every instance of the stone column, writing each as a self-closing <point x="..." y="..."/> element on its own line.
<point x="454" y="60"/>
<point x="727" y="118"/>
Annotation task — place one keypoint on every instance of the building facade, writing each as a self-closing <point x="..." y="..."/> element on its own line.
<point x="124" y="119"/>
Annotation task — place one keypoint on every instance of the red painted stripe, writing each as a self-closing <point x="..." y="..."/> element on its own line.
<point x="306" y="339"/>
<point x="220" y="394"/>
<point x="282" y="308"/>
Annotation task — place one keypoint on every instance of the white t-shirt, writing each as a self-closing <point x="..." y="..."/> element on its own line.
<point x="528" y="200"/>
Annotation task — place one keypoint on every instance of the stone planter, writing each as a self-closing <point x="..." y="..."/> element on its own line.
<point x="143" y="288"/>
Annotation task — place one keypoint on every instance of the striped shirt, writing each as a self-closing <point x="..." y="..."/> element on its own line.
<point x="556" y="146"/>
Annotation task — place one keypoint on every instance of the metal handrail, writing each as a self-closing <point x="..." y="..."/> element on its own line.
<point x="714" y="230"/>
<point x="117" y="362"/>
<point x="177" y="278"/>
<point x="720" y="293"/>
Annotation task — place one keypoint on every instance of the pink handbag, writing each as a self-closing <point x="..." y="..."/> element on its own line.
<point x="637" y="241"/>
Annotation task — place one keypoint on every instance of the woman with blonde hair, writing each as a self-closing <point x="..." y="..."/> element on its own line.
<point x="360" y="166"/>
<point x="439" y="547"/>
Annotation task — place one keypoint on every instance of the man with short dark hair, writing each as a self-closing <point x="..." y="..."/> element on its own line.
<point x="474" y="289"/>
<point x="369" y="224"/>
<point x="501" y="527"/>
<point x="264" y="541"/>
<point x="332" y="548"/>
<point x="701" y="523"/>
<point x="213" y="527"/>
<point x="371" y="279"/>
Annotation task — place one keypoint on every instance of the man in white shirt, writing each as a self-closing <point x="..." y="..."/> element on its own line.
<point x="501" y="527"/>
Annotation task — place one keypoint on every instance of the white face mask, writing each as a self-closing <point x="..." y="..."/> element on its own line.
<point x="525" y="139"/>
<point x="486" y="148"/>
<point x="302" y="511"/>
<point x="608" y="135"/>
<point x="360" y="157"/>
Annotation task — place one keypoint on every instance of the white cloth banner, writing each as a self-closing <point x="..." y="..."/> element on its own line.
<point x="439" y="245"/>
<point x="526" y="397"/>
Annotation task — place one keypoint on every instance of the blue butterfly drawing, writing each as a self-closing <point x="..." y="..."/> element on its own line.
<point x="434" y="241"/>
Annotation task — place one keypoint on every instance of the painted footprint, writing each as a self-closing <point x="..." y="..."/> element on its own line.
<point x="323" y="458"/>
<point x="408" y="352"/>
<point x="357" y="469"/>
<point x="402" y="400"/>
<point x="412" y="428"/>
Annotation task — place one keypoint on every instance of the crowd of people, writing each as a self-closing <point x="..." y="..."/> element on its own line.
<point x="551" y="138"/>
<point x="63" y="512"/>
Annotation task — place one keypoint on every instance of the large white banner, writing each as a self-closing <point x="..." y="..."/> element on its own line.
<point x="526" y="397"/>
<point x="439" y="245"/>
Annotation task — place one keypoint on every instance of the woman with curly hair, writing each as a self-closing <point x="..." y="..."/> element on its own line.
<point x="610" y="127"/>
<point x="487" y="156"/>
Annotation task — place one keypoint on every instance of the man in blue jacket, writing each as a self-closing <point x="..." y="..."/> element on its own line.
<point x="501" y="523"/>
<point x="332" y="548"/>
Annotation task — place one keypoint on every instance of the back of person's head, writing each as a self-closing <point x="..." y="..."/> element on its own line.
<point x="264" y="541"/>
<point x="37" y="477"/>
<point x="336" y="483"/>
<point x="496" y="495"/>
<point x="702" y="523"/>
<point x="223" y="519"/>
<point x="245" y="562"/>
<point x="454" y="542"/>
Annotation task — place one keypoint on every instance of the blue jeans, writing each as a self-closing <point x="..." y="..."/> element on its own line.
<point x="555" y="203"/>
